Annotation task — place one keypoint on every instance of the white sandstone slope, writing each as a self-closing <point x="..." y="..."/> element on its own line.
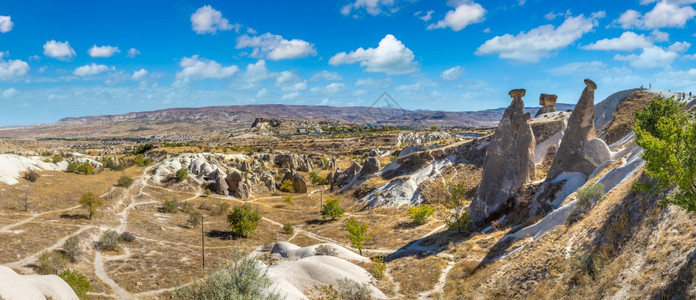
<point x="29" y="287"/>
<point x="12" y="166"/>
<point x="198" y="164"/>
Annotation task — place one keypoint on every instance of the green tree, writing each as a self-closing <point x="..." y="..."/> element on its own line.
<point x="77" y="282"/>
<point x="317" y="179"/>
<point x="357" y="233"/>
<point x="90" y="202"/>
<point x="243" y="220"/>
<point x="286" y="186"/>
<point x="667" y="133"/>
<point x="458" y="216"/>
<point x="170" y="206"/>
<point x="124" y="181"/>
<point x="332" y="209"/>
<point x="72" y="248"/>
<point x="181" y="175"/>
<point x="420" y="213"/>
<point x="85" y="168"/>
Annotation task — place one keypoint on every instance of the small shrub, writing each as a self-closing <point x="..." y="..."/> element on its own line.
<point x="420" y="213"/>
<point x="187" y="207"/>
<point x="287" y="198"/>
<point x="181" y="175"/>
<point x="109" y="240"/>
<point x="51" y="262"/>
<point x="170" y="206"/>
<point x="141" y="161"/>
<point x="332" y="209"/>
<point x="378" y="267"/>
<point x="352" y="290"/>
<point x="31" y="175"/>
<point x="243" y="220"/>
<point x="286" y="186"/>
<point x="194" y="219"/>
<point x="317" y="179"/>
<point x="127" y="237"/>
<point x="288" y="228"/>
<point x="72" y="167"/>
<point x="56" y="159"/>
<point x="78" y="282"/>
<point x="72" y="248"/>
<point x="220" y="209"/>
<point x="586" y="198"/>
<point x="207" y="192"/>
<point x="124" y="181"/>
<point x="326" y="250"/>
<point x="85" y="168"/>
<point x="357" y="233"/>
<point x="143" y="148"/>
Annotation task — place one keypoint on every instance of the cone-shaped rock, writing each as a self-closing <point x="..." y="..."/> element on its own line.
<point x="509" y="161"/>
<point x="580" y="129"/>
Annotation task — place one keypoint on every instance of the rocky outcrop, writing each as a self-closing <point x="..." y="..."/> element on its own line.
<point x="238" y="185"/>
<point x="298" y="182"/>
<point x="548" y="104"/>
<point x="15" y="286"/>
<point x="509" y="161"/>
<point x="220" y="186"/>
<point x="341" y="178"/>
<point x="569" y="156"/>
<point x="264" y="123"/>
<point x="370" y="167"/>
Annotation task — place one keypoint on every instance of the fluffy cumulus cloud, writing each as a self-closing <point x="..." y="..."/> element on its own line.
<point x="6" y="24"/>
<point x="331" y="88"/>
<point x="139" y="74"/>
<point x="9" y="93"/>
<point x="626" y="42"/>
<point x="132" y="52"/>
<point x="391" y="57"/>
<point x="102" y="51"/>
<point x="452" y="74"/>
<point x="326" y="76"/>
<point x="58" y="50"/>
<point x="373" y="7"/>
<point x="288" y="81"/>
<point x="256" y="73"/>
<point x="541" y="41"/>
<point x="665" y="14"/>
<point x="653" y="57"/>
<point x="207" y="20"/>
<point x="12" y="68"/>
<point x="464" y="14"/>
<point x="91" y="69"/>
<point x="275" y="47"/>
<point x="195" y="67"/>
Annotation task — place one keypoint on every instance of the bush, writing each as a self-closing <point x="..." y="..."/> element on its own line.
<point x="124" y="181"/>
<point x="90" y="202"/>
<point x="220" y="209"/>
<point x="143" y="148"/>
<point x="420" y="213"/>
<point x="458" y="216"/>
<point x="287" y="198"/>
<point x="243" y="220"/>
<point x="586" y="198"/>
<point x="241" y="277"/>
<point x="85" y="168"/>
<point x="181" y="175"/>
<point x="317" y="179"/>
<point x="72" y="167"/>
<point x="56" y="159"/>
<point x="51" y="262"/>
<point x="357" y="233"/>
<point x="31" y="175"/>
<point x="141" y="161"/>
<point x="78" y="282"/>
<point x="194" y="219"/>
<point x="187" y="207"/>
<point x="72" y="248"/>
<point x="326" y="250"/>
<point x="332" y="209"/>
<point x="207" y="192"/>
<point x="351" y="290"/>
<point x="286" y="186"/>
<point x="288" y="228"/>
<point x="127" y="237"/>
<point x="170" y="206"/>
<point x="109" y="240"/>
<point x="378" y="267"/>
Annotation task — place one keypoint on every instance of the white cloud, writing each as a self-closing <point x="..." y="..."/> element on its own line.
<point x="665" y="14"/>
<point x="208" y="20"/>
<point x="288" y="81"/>
<point x="290" y="96"/>
<point x="195" y="67"/>
<point x="578" y="68"/>
<point x="326" y="76"/>
<point x="424" y="16"/>
<point x="464" y="14"/>
<point x="382" y="83"/>
<point x="690" y="57"/>
<point x="12" y="67"/>
<point x="6" y="24"/>
<point x="331" y="88"/>
<point x="409" y="87"/>
<point x="452" y="74"/>
<point x="91" y="69"/>
<point x="373" y="7"/>
<point x="626" y="42"/>
<point x="659" y="36"/>
<point x="275" y="47"/>
<point x="58" y="50"/>
<point x="254" y="74"/>
<point x="390" y="57"/>
<point x="262" y="93"/>
<point x="132" y="52"/>
<point x="9" y="93"/>
<point x="539" y="42"/>
<point x="102" y="51"/>
<point x="679" y="47"/>
<point x="139" y="74"/>
<point x="651" y="57"/>
<point x="360" y="92"/>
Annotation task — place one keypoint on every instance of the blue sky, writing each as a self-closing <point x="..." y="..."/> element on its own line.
<point x="75" y="58"/>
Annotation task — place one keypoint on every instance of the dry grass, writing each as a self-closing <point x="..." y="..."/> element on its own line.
<point x="416" y="275"/>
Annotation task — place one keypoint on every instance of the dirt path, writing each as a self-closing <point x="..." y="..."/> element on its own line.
<point x="7" y="228"/>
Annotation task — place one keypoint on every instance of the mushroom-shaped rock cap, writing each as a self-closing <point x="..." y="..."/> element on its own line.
<point x="590" y="84"/>
<point x="547" y="100"/>
<point x="517" y="93"/>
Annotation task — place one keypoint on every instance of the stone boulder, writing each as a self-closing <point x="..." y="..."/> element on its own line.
<point x="548" y="104"/>
<point x="298" y="182"/>
<point x="237" y="185"/>
<point x="580" y="129"/>
<point x="220" y="186"/>
<point x="371" y="166"/>
<point x="509" y="161"/>
<point x="596" y="151"/>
